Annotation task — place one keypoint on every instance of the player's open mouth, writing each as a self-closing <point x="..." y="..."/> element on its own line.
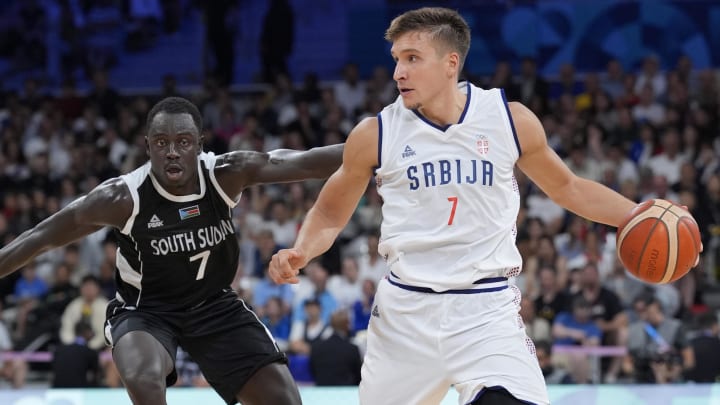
<point x="405" y="91"/>
<point x="173" y="172"/>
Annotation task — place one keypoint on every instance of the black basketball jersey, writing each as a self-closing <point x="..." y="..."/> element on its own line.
<point x="174" y="252"/>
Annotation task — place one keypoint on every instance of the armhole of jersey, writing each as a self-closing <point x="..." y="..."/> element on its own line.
<point x="210" y="160"/>
<point x="380" y="144"/>
<point x="510" y="121"/>
<point x="136" y="208"/>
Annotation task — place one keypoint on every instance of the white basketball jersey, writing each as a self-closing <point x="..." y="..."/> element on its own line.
<point x="450" y="200"/>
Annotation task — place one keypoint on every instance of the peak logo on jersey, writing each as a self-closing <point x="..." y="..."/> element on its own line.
<point x="189" y="212"/>
<point x="408" y="152"/>
<point x="482" y="144"/>
<point x="375" y="311"/>
<point x="154" y="222"/>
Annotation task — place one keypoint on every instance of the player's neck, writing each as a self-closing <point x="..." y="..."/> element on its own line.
<point x="446" y="108"/>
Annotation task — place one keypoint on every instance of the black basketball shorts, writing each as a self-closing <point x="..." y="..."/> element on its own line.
<point x="223" y="335"/>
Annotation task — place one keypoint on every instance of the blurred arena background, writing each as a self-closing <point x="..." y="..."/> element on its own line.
<point x="628" y="92"/>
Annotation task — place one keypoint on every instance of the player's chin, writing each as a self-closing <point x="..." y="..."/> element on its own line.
<point x="175" y="176"/>
<point x="409" y="103"/>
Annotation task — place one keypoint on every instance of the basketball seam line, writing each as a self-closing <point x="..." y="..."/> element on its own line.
<point x="657" y="220"/>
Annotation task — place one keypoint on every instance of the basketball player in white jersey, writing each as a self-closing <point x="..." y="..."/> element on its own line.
<point x="443" y="156"/>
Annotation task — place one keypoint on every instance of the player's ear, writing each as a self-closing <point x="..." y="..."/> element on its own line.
<point x="147" y="146"/>
<point x="201" y="139"/>
<point x="453" y="64"/>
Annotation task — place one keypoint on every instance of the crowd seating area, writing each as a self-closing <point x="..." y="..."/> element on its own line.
<point x="646" y="133"/>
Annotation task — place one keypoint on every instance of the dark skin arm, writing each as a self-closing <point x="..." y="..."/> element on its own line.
<point x="240" y="169"/>
<point x="109" y="204"/>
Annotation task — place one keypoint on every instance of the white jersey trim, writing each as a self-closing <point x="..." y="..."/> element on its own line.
<point x="180" y="198"/>
<point x="510" y="125"/>
<point x="211" y="159"/>
<point x="133" y="181"/>
<point x="127" y="273"/>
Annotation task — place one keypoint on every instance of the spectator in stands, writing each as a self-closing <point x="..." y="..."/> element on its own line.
<point x="552" y="300"/>
<point x="552" y="374"/>
<point x="622" y="284"/>
<point x="284" y="228"/>
<point x="266" y="246"/>
<point x="657" y="345"/>
<point x="612" y="81"/>
<point x="669" y="162"/>
<point x="13" y="370"/>
<point x="74" y="364"/>
<point x="536" y="328"/>
<point x="350" y="91"/>
<point x="607" y="312"/>
<point x="371" y="264"/>
<point x="362" y="308"/>
<point x="277" y="320"/>
<point x="545" y="255"/>
<point x="30" y="290"/>
<point x="265" y="290"/>
<point x="576" y="327"/>
<point x="88" y="307"/>
<point x="531" y="86"/>
<point x="304" y="332"/>
<point x="335" y="360"/>
<point x="706" y="350"/>
<point x="651" y="76"/>
<point x="648" y="109"/>
<point x="314" y="287"/>
<point x="346" y="287"/>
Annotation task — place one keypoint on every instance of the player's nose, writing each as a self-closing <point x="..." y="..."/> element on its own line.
<point x="399" y="73"/>
<point x="171" y="152"/>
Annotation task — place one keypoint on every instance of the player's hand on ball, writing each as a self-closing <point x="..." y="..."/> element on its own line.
<point x="285" y="266"/>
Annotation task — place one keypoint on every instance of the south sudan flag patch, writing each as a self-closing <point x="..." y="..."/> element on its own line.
<point x="189" y="212"/>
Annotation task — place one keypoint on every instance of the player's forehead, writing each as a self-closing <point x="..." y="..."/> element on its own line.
<point x="165" y="123"/>
<point x="411" y="41"/>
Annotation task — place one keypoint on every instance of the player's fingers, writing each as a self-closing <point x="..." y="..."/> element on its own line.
<point x="280" y="268"/>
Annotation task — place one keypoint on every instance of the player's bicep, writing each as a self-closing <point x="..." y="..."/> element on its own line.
<point x="109" y="204"/>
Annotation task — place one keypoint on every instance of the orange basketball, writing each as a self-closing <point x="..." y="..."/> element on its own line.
<point x="658" y="242"/>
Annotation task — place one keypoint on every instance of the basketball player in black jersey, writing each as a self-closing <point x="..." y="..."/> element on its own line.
<point x="177" y="255"/>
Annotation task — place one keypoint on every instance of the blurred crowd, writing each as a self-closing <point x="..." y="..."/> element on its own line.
<point x="649" y="133"/>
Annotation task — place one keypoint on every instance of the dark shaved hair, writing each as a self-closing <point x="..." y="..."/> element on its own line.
<point x="176" y="105"/>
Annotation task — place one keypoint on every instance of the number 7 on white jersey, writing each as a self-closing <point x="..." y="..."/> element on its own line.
<point x="454" y="201"/>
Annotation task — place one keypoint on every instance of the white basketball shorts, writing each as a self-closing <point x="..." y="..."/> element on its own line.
<point x="420" y="344"/>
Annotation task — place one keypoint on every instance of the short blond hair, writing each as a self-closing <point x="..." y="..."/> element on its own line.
<point x="444" y="25"/>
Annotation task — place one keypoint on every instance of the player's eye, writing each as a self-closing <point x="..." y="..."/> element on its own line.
<point x="160" y="142"/>
<point x="412" y="58"/>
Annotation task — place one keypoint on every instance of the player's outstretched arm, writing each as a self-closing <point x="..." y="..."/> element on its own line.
<point x="544" y="167"/>
<point x="335" y="204"/>
<point x="240" y="169"/>
<point x="108" y="204"/>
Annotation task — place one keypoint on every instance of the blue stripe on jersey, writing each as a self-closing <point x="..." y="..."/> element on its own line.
<point x="512" y="125"/>
<point x="488" y="280"/>
<point x="445" y="127"/>
<point x="379" y="164"/>
<point x="431" y="291"/>
<point x="467" y="105"/>
<point x="432" y="124"/>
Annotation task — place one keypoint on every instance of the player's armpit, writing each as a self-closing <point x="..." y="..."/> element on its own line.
<point x="109" y="204"/>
